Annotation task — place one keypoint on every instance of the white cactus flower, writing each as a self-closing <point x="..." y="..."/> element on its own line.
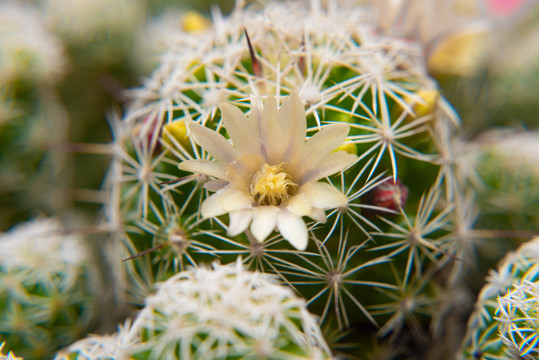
<point x="268" y="177"/>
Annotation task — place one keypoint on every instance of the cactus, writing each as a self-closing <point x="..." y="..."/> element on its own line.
<point x="517" y="312"/>
<point x="31" y="115"/>
<point x="219" y="313"/>
<point x="109" y="347"/>
<point x="503" y="325"/>
<point x="269" y="136"/>
<point x="48" y="289"/>
<point x="95" y="32"/>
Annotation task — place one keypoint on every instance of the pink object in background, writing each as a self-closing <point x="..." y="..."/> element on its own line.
<point x="505" y="7"/>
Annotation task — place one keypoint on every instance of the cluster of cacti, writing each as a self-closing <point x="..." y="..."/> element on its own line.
<point x="300" y="144"/>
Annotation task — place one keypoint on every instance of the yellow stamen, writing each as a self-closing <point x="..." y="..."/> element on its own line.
<point x="271" y="186"/>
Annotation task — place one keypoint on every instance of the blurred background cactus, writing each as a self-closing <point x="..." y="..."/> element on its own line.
<point x="312" y="140"/>
<point x="48" y="289"/>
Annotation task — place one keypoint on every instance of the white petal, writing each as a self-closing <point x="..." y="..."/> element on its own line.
<point x="215" y="185"/>
<point x="264" y="221"/>
<point x="292" y="118"/>
<point x="318" y="215"/>
<point x="242" y="131"/>
<point x="319" y="146"/>
<point x="283" y="133"/>
<point x="323" y="195"/>
<point x="241" y="171"/>
<point x="293" y="229"/>
<point x="206" y="167"/>
<point x="224" y="201"/>
<point x="327" y="139"/>
<point x="239" y="221"/>
<point x="271" y="134"/>
<point x="213" y="142"/>
<point x="327" y="166"/>
<point x="299" y="205"/>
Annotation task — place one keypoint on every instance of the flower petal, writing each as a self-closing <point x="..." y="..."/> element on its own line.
<point x="293" y="229"/>
<point x="292" y="118"/>
<point x="206" y="167"/>
<point x="271" y="134"/>
<point x="283" y="131"/>
<point x="241" y="171"/>
<point x="264" y="221"/>
<point x="326" y="166"/>
<point x="322" y="143"/>
<point x="239" y="221"/>
<point x="224" y="201"/>
<point x="299" y="205"/>
<point x="293" y="127"/>
<point x="328" y="138"/>
<point x="323" y="195"/>
<point x="215" y="185"/>
<point x="243" y="132"/>
<point x="213" y="142"/>
<point x="318" y="215"/>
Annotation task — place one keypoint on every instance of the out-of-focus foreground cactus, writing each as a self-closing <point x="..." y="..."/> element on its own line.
<point x="224" y="312"/>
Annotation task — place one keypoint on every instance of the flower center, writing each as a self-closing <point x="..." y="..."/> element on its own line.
<point x="271" y="186"/>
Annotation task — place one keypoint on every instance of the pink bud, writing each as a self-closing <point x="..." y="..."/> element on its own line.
<point x="390" y="195"/>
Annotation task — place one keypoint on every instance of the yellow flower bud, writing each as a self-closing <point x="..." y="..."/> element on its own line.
<point x="348" y="147"/>
<point x="178" y="131"/>
<point x="460" y="54"/>
<point x="429" y="99"/>
<point x="194" y="22"/>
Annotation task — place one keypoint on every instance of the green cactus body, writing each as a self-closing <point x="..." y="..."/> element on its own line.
<point x="507" y="164"/>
